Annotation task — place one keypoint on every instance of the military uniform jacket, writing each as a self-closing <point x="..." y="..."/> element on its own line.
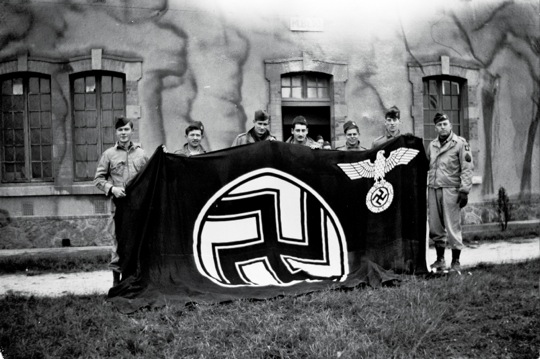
<point x="451" y="164"/>
<point x="308" y="142"/>
<point x="186" y="152"/>
<point x="118" y="166"/>
<point x="385" y="138"/>
<point x="346" y="147"/>
<point x="247" y="137"/>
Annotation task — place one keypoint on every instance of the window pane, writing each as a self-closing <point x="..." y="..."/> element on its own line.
<point x="90" y="101"/>
<point x="285" y="92"/>
<point x="80" y="169"/>
<point x="33" y="85"/>
<point x="91" y="136"/>
<point x="19" y="137"/>
<point x="106" y="101"/>
<point x="118" y="101"/>
<point x="91" y="120"/>
<point x="455" y="88"/>
<point x="78" y="85"/>
<point x="311" y="92"/>
<point x="108" y="137"/>
<point x="17" y="103"/>
<point x="106" y="84"/>
<point x="45" y="85"/>
<point x="18" y="86"/>
<point x="78" y="117"/>
<point x="311" y="81"/>
<point x="323" y="92"/>
<point x="45" y="102"/>
<point x="46" y="153"/>
<point x="7" y="87"/>
<point x="286" y="81"/>
<point x="92" y="153"/>
<point x="18" y="120"/>
<point x="34" y="120"/>
<point x="90" y="84"/>
<point x="35" y="137"/>
<point x="33" y="102"/>
<point x="78" y="100"/>
<point x="118" y="84"/>
<point x="446" y="88"/>
<point x="297" y="92"/>
<point x="80" y="153"/>
<point x="46" y="120"/>
<point x="106" y="119"/>
<point x="432" y="87"/>
<point x="447" y="103"/>
<point x="47" y="170"/>
<point x="8" y="137"/>
<point x="36" y="153"/>
<point x="296" y="81"/>
<point x="433" y="102"/>
<point x="36" y="169"/>
<point x="455" y="102"/>
<point x="9" y="154"/>
<point x="19" y="154"/>
<point x="46" y="136"/>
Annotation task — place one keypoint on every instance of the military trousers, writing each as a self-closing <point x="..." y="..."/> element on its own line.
<point x="445" y="218"/>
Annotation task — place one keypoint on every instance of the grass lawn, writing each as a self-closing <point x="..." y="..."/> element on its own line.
<point x="493" y="313"/>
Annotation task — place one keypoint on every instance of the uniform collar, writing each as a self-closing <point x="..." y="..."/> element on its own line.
<point x="129" y="147"/>
<point x="389" y="135"/>
<point x="355" y="146"/>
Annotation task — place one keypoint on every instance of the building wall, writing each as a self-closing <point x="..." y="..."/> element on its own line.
<point x="213" y="60"/>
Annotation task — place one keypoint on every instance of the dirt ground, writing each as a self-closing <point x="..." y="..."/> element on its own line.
<point x="99" y="282"/>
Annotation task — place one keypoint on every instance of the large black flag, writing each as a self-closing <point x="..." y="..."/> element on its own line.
<point x="270" y="218"/>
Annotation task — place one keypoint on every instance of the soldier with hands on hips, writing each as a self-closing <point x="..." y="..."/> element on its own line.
<point x="449" y="182"/>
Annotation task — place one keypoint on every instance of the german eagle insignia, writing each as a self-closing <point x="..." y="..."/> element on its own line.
<point x="380" y="196"/>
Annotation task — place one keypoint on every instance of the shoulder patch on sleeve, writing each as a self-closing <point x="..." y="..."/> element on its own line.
<point x="468" y="157"/>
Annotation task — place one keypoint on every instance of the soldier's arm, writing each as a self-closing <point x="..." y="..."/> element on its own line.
<point x="467" y="167"/>
<point x="102" y="175"/>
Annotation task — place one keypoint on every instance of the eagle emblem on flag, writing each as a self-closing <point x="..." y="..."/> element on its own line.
<point x="380" y="196"/>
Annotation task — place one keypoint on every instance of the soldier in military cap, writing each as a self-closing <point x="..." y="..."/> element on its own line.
<point x="117" y="166"/>
<point x="350" y="128"/>
<point x="449" y="182"/>
<point x="259" y="131"/>
<point x="194" y="136"/>
<point x="300" y="133"/>
<point x="392" y="123"/>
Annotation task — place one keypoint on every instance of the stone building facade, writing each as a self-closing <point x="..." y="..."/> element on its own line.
<point x="67" y="68"/>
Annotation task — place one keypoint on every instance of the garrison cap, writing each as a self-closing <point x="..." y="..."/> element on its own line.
<point x="122" y="121"/>
<point x="299" y="120"/>
<point x="261" y="115"/>
<point x="439" y="117"/>
<point x="348" y="125"/>
<point x="392" y="112"/>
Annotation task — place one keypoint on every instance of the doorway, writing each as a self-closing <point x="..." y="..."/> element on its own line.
<point x="318" y="118"/>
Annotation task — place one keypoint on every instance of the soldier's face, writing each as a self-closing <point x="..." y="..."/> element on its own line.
<point x="392" y="124"/>
<point x="352" y="136"/>
<point x="124" y="134"/>
<point x="299" y="132"/>
<point x="261" y="127"/>
<point x="443" y="128"/>
<point x="194" y="138"/>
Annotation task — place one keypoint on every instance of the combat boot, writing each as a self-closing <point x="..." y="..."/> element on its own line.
<point x="116" y="278"/>
<point x="455" y="266"/>
<point x="440" y="263"/>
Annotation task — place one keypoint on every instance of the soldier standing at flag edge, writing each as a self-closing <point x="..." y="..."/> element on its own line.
<point x="116" y="168"/>
<point x="449" y="183"/>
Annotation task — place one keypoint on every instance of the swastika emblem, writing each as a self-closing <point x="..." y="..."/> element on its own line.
<point x="268" y="228"/>
<point x="380" y="196"/>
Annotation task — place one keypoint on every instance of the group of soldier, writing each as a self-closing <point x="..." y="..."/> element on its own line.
<point x="449" y="175"/>
<point x="299" y="134"/>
